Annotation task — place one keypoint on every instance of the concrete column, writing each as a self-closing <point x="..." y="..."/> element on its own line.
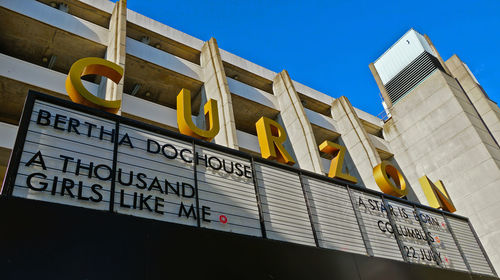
<point x="441" y="61"/>
<point x="380" y="85"/>
<point x="487" y="109"/>
<point x="216" y="87"/>
<point x="356" y="140"/>
<point x="296" y="123"/>
<point x="116" y="47"/>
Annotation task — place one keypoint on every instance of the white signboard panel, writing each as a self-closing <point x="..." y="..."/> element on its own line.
<point x="470" y="247"/>
<point x="333" y="216"/>
<point x="283" y="205"/>
<point x="227" y="193"/>
<point x="412" y="235"/>
<point x="66" y="158"/>
<point x="155" y="177"/>
<point x="442" y="240"/>
<point x="374" y="215"/>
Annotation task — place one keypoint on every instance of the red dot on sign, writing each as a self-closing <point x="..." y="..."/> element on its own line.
<point x="446" y="259"/>
<point x="223" y="219"/>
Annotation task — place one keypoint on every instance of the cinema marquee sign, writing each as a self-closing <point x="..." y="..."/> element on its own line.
<point x="71" y="154"/>
<point x="271" y="135"/>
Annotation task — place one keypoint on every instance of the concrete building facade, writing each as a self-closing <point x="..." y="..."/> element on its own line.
<point x="441" y="124"/>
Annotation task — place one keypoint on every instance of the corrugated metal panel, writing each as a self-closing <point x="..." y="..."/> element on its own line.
<point x="402" y="53"/>
<point x="52" y="143"/>
<point x="229" y="192"/>
<point x="411" y="234"/>
<point x="334" y="219"/>
<point x="283" y="205"/>
<point x="443" y="241"/>
<point x="382" y="243"/>
<point x="470" y="247"/>
<point x="154" y="165"/>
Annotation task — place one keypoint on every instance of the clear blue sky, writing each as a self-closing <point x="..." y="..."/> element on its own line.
<point x="327" y="45"/>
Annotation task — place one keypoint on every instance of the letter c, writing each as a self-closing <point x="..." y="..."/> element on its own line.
<point x="98" y="66"/>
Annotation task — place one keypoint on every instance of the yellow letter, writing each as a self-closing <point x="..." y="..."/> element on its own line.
<point x="437" y="195"/>
<point x="271" y="137"/>
<point x="185" y="121"/>
<point x="338" y="153"/>
<point x="382" y="172"/>
<point x="98" y="66"/>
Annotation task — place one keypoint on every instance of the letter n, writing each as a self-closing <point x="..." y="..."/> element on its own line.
<point x="436" y="194"/>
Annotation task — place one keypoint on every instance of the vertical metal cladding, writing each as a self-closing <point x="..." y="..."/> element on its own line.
<point x="377" y="225"/>
<point x="443" y="240"/>
<point x="472" y="250"/>
<point x="153" y="166"/>
<point x="57" y="146"/>
<point x="415" y="239"/>
<point x="283" y="205"/>
<point x="333" y="216"/>
<point x="225" y="185"/>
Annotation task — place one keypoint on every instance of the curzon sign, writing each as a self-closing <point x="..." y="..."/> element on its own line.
<point x="70" y="154"/>
<point x="270" y="134"/>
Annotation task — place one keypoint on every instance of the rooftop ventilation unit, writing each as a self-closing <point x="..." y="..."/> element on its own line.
<point x="409" y="61"/>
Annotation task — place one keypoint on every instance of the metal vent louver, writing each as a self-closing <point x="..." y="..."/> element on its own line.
<point x="411" y="75"/>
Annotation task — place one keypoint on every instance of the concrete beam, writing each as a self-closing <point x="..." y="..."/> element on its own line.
<point x="216" y="87"/>
<point x="248" y="141"/>
<point x="8" y="132"/>
<point x="164" y="30"/>
<point x="298" y="127"/>
<point x="376" y="121"/>
<point x="163" y="59"/>
<point x="35" y="75"/>
<point x="320" y="120"/>
<point x="252" y="93"/>
<point x="58" y="19"/>
<point x="356" y="140"/>
<point x="381" y="145"/>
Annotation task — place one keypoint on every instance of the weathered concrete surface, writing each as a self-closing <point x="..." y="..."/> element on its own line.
<point x="116" y="51"/>
<point x="487" y="109"/>
<point x="380" y="85"/>
<point x="356" y="140"/>
<point x="216" y="87"/>
<point x="296" y="123"/>
<point x="435" y="131"/>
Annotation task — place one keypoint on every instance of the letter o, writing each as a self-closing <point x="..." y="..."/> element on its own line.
<point x="382" y="174"/>
<point x="387" y="226"/>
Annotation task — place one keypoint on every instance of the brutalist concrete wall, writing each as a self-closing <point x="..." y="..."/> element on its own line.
<point x="487" y="109"/>
<point x="435" y="131"/>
